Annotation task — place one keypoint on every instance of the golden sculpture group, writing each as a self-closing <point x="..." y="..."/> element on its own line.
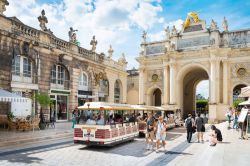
<point x="192" y="15"/>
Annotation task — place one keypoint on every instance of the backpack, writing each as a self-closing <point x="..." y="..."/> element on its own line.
<point x="189" y="123"/>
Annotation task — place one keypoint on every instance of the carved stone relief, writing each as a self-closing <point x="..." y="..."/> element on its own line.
<point x="240" y="70"/>
<point x="155" y="75"/>
<point x="157" y="49"/>
<point x="239" y="39"/>
<point x="197" y="41"/>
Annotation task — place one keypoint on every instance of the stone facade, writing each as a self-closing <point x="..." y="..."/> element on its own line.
<point x="133" y="87"/>
<point x="189" y="56"/>
<point x="35" y="61"/>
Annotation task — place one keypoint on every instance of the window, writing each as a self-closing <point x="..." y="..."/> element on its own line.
<point x="83" y="81"/>
<point x="21" y="66"/>
<point x="61" y="74"/>
<point x="58" y="74"/>
<point x="16" y="65"/>
<point x="26" y="67"/>
<point x="53" y="74"/>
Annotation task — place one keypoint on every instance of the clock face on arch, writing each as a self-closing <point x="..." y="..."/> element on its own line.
<point x="241" y="72"/>
<point x="155" y="77"/>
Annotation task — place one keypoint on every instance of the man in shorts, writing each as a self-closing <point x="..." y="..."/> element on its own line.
<point x="150" y="132"/>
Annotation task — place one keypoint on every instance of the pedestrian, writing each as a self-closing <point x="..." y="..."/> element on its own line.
<point x="229" y="115"/>
<point x="52" y="118"/>
<point x="150" y="132"/>
<point x="215" y="136"/>
<point x="199" y="123"/>
<point x="160" y="134"/>
<point x="235" y="124"/>
<point x="243" y="127"/>
<point x="77" y="115"/>
<point x="74" y="114"/>
<point x="189" y="124"/>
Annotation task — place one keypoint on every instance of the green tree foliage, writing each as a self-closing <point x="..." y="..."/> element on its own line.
<point x="44" y="100"/>
<point x="201" y="105"/>
<point x="236" y="103"/>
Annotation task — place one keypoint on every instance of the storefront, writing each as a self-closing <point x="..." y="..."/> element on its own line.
<point x="84" y="96"/>
<point x="59" y="105"/>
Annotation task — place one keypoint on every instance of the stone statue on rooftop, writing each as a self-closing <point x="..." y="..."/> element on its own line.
<point x="72" y="35"/>
<point x="110" y="52"/>
<point x="43" y="21"/>
<point x="225" y="24"/>
<point x="122" y="60"/>
<point x="144" y="37"/>
<point x="174" y="31"/>
<point x="213" y="25"/>
<point x="3" y="4"/>
<point x="167" y="31"/>
<point x="93" y="42"/>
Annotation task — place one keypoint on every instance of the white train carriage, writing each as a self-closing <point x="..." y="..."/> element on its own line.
<point x="106" y="124"/>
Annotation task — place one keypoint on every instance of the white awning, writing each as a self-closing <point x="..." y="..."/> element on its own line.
<point x="6" y="96"/>
<point x="245" y="102"/>
<point x="245" y="92"/>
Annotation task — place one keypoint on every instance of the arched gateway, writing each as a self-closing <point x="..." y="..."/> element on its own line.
<point x="177" y="64"/>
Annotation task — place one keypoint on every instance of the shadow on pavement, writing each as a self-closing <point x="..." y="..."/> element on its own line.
<point x="167" y="157"/>
<point x="23" y="155"/>
<point x="225" y="142"/>
<point x="123" y="149"/>
<point x="23" y="158"/>
<point x="181" y="153"/>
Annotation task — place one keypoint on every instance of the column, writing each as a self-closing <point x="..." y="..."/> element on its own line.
<point x="172" y="84"/>
<point x="212" y="81"/>
<point x="218" y="82"/>
<point x="111" y="90"/>
<point x="141" y="86"/>
<point x="225" y="81"/>
<point x="73" y="97"/>
<point x="165" y="85"/>
<point x="124" y="90"/>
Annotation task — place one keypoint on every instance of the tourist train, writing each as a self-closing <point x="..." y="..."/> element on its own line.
<point x="107" y="124"/>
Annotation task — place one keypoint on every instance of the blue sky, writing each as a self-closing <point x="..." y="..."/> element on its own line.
<point x="121" y="22"/>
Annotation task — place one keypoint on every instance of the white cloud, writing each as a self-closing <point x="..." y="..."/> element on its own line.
<point x="203" y="88"/>
<point x="160" y="35"/>
<point x="113" y="22"/>
<point x="177" y="23"/>
<point x="146" y="15"/>
<point x="156" y="36"/>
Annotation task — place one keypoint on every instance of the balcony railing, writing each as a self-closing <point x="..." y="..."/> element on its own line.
<point x="24" y="78"/>
<point x="26" y="31"/>
<point x="59" y="84"/>
<point x="59" y="44"/>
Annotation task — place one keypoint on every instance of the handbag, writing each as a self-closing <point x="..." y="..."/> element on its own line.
<point x="203" y="128"/>
<point x="193" y="129"/>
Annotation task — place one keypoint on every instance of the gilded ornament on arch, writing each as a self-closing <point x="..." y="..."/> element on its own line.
<point x="241" y="72"/>
<point x="155" y="77"/>
<point x="101" y="76"/>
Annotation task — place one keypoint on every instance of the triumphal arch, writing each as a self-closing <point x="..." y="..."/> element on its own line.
<point x="169" y="70"/>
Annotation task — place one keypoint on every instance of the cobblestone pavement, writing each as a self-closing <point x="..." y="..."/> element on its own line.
<point x="69" y="154"/>
<point x="133" y="153"/>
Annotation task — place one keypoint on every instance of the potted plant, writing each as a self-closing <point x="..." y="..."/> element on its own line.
<point x="44" y="100"/>
<point x="10" y="116"/>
